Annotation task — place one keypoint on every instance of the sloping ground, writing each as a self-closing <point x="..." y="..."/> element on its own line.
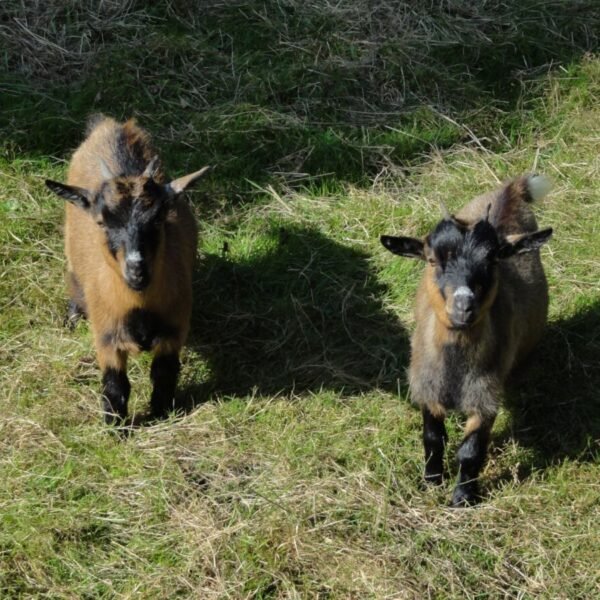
<point x="349" y="89"/>
<point x="296" y="471"/>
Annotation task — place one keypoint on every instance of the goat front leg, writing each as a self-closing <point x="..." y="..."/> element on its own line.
<point x="164" y="372"/>
<point x="471" y="457"/>
<point x="115" y="385"/>
<point x="434" y="442"/>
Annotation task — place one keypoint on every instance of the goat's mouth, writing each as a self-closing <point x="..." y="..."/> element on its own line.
<point x="137" y="283"/>
<point x="461" y="321"/>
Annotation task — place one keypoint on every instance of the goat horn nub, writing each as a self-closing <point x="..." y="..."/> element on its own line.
<point x="151" y="167"/>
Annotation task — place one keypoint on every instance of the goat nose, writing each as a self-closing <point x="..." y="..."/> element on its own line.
<point x="134" y="262"/>
<point x="464" y="299"/>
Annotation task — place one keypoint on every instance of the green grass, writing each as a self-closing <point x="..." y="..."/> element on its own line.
<point x="296" y="469"/>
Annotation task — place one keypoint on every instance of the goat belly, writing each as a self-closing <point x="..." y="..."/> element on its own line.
<point x="147" y="329"/>
<point x="453" y="379"/>
<point x="143" y="329"/>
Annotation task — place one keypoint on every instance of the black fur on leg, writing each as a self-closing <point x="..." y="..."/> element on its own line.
<point x="434" y="441"/>
<point x="164" y="373"/>
<point x="115" y="392"/>
<point x="471" y="456"/>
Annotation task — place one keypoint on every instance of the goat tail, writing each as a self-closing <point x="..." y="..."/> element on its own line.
<point x="537" y="187"/>
<point x="507" y="211"/>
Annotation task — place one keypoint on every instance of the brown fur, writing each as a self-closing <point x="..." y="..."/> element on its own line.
<point x="466" y="369"/>
<point x="97" y="275"/>
<point x="517" y="308"/>
<point x="108" y="298"/>
<point x="481" y="306"/>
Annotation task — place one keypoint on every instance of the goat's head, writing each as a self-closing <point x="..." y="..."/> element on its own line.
<point x="132" y="212"/>
<point x="462" y="271"/>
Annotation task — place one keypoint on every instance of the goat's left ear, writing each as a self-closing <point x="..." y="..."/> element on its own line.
<point x="180" y="184"/>
<point x="404" y="246"/>
<point x="76" y="195"/>
<point x="525" y="242"/>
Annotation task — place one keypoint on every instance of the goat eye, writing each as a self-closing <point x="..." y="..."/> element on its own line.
<point x="101" y="224"/>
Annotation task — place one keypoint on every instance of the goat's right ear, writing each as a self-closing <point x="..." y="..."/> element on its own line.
<point x="404" y="246"/>
<point x="76" y="195"/>
<point x="524" y="242"/>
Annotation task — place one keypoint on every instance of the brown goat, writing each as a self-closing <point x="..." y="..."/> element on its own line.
<point x="130" y="242"/>
<point x="481" y="307"/>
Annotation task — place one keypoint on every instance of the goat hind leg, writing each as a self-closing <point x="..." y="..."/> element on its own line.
<point x="164" y="373"/>
<point x="76" y="305"/>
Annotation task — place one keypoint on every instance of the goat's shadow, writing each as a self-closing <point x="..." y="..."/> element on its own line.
<point x="305" y="314"/>
<point x="554" y="402"/>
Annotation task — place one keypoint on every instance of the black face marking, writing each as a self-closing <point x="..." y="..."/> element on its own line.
<point x="445" y="241"/>
<point x="465" y="265"/>
<point x="147" y="329"/>
<point x="452" y="243"/>
<point x="134" y="225"/>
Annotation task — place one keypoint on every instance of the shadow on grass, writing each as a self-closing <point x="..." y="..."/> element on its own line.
<point x="305" y="315"/>
<point x="556" y="407"/>
<point x="553" y="400"/>
<point x="274" y="90"/>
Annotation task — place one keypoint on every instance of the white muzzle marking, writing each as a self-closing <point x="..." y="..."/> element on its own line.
<point x="463" y="290"/>
<point x="133" y="257"/>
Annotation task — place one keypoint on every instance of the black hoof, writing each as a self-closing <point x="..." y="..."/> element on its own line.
<point x="465" y="496"/>
<point x="114" y="417"/>
<point x="161" y="408"/>
<point x="159" y="415"/>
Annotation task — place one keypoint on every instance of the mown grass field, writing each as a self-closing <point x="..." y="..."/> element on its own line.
<point x="295" y="469"/>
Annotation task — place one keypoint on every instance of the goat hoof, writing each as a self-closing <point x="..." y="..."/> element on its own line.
<point x="112" y="417"/>
<point x="464" y="497"/>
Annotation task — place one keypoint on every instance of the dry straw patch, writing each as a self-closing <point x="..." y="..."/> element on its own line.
<point x="59" y="38"/>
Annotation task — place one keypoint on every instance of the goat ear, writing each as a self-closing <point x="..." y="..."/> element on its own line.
<point x="76" y="195"/>
<point x="180" y="184"/>
<point x="526" y="242"/>
<point x="404" y="246"/>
